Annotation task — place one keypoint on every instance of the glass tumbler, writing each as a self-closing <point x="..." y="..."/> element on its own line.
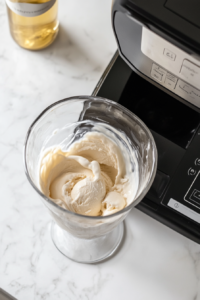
<point x="89" y="239"/>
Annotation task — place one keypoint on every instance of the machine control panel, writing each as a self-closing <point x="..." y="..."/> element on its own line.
<point x="175" y="84"/>
<point x="172" y="67"/>
<point x="183" y="194"/>
<point x="170" y="57"/>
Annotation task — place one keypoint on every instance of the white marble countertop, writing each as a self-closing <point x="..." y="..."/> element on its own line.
<point x="153" y="262"/>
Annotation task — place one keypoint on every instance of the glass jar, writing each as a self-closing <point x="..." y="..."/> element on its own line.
<point x="33" y="23"/>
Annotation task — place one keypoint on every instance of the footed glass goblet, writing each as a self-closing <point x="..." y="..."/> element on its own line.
<point x="82" y="238"/>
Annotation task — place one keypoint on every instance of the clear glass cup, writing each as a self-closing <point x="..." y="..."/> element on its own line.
<point x="88" y="239"/>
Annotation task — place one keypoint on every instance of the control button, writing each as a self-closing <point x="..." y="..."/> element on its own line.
<point x="185" y="87"/>
<point x="188" y="92"/>
<point x="186" y="211"/>
<point x="197" y="162"/>
<point x="191" y="72"/>
<point x="195" y="94"/>
<point x="158" y="73"/>
<point x="170" y="81"/>
<point x="169" y="54"/>
<point x="195" y="196"/>
<point x="191" y="171"/>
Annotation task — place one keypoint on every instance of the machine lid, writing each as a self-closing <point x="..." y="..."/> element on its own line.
<point x="176" y="20"/>
<point x="188" y="10"/>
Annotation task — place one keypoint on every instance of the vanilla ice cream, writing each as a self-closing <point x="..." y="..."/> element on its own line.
<point x="90" y="178"/>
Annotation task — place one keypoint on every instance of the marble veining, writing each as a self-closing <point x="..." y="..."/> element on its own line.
<point x="153" y="262"/>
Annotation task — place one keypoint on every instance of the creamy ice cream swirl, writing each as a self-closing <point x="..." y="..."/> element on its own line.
<point x="89" y="179"/>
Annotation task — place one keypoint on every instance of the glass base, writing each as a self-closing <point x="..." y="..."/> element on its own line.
<point x="84" y="250"/>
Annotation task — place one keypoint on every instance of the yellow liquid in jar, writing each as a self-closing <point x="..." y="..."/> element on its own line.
<point x="34" y="33"/>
